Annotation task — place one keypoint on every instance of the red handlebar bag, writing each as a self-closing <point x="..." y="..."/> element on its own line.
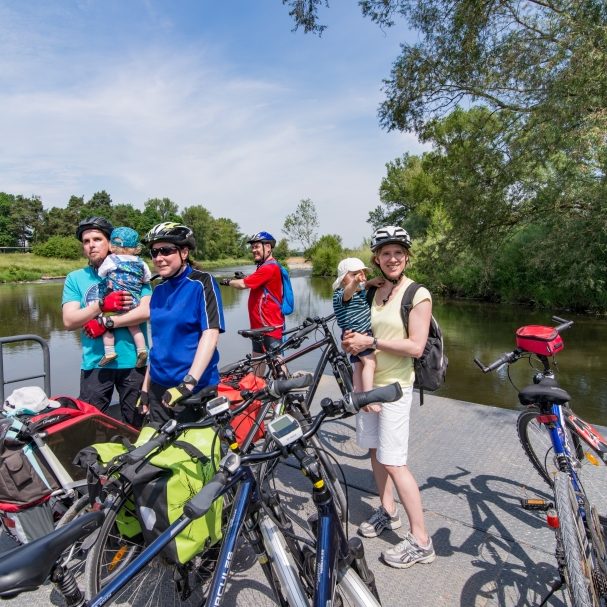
<point x="544" y="341"/>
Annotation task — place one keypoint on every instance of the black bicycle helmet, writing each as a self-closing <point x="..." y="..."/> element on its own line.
<point x="170" y="231"/>
<point x="94" y="223"/>
<point x="390" y="235"/>
<point x="263" y="237"/>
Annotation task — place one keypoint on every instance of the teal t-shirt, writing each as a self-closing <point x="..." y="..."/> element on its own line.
<point x="83" y="286"/>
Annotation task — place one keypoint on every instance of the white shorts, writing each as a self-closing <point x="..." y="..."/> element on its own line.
<point x="387" y="431"/>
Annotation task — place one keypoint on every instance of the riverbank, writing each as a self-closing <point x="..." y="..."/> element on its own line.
<point x="27" y="267"/>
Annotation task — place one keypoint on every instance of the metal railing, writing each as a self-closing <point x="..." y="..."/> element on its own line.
<point x="46" y="373"/>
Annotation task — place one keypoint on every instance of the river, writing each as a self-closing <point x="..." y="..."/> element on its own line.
<point x="470" y="329"/>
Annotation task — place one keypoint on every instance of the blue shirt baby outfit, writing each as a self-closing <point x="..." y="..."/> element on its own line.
<point x="354" y="314"/>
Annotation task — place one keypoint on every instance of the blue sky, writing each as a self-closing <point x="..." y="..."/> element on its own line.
<point x="206" y="102"/>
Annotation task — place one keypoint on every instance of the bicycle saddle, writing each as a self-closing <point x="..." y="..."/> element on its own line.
<point x="27" y="567"/>
<point x="547" y="393"/>
<point x="256" y="333"/>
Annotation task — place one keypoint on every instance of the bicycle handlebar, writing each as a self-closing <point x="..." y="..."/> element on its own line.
<point x="564" y="324"/>
<point x="202" y="501"/>
<point x="275" y="389"/>
<point x="507" y="357"/>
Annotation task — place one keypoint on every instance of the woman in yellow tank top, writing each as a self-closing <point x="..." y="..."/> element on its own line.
<point x="384" y="428"/>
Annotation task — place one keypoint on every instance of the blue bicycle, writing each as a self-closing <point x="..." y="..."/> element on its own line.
<point x="28" y="567"/>
<point x="570" y="455"/>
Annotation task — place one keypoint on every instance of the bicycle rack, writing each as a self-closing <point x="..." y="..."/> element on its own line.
<point x="46" y="374"/>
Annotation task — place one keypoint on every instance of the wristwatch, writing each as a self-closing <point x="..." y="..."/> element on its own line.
<point x="374" y="344"/>
<point x="190" y="379"/>
<point x="108" y="322"/>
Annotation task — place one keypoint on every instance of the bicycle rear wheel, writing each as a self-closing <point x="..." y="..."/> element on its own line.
<point x="160" y="583"/>
<point x="75" y="555"/>
<point x="576" y="550"/>
<point x="537" y="444"/>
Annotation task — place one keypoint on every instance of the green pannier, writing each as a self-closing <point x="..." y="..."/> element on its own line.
<point x="164" y="484"/>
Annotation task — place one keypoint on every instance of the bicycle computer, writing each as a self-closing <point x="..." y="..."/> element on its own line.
<point x="285" y="430"/>
<point x="219" y="404"/>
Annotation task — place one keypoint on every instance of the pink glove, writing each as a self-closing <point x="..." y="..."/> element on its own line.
<point x="94" y="328"/>
<point x="116" y="301"/>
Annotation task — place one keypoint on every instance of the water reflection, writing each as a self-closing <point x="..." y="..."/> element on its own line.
<point x="471" y="329"/>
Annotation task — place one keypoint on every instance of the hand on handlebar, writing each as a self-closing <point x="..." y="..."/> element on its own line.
<point x="173" y="395"/>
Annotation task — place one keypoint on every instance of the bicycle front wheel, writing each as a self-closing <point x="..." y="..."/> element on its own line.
<point x="572" y="536"/>
<point x="160" y="583"/>
<point x="537" y="444"/>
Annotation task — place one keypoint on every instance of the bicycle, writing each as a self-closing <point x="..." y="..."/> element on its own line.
<point x="234" y="472"/>
<point x="556" y="442"/>
<point x="277" y="367"/>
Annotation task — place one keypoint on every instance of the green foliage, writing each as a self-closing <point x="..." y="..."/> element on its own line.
<point x="61" y="247"/>
<point x="281" y="250"/>
<point x="302" y="225"/>
<point x="325" y="254"/>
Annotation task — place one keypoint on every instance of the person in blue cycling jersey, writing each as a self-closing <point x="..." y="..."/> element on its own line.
<point x="186" y="318"/>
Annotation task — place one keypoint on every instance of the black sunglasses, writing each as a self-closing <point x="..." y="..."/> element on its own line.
<point x="164" y="251"/>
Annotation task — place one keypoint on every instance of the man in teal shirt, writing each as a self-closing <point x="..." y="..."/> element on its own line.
<point x="82" y="307"/>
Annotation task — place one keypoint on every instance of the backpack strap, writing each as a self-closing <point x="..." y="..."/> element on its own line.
<point x="407" y="302"/>
<point x="370" y="294"/>
<point x="267" y="291"/>
<point x="405" y="308"/>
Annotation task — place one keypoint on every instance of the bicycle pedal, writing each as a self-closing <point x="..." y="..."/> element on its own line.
<point x="536" y="504"/>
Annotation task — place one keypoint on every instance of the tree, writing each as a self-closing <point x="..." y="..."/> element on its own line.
<point x="99" y="204"/>
<point x="301" y="226"/>
<point x="325" y="254"/>
<point x="26" y="219"/>
<point x="164" y="209"/>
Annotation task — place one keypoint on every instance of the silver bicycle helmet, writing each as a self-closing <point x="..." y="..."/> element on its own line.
<point x="170" y="231"/>
<point x="390" y="235"/>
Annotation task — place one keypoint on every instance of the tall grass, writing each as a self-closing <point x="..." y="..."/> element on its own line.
<point x="23" y="267"/>
<point x="17" y="267"/>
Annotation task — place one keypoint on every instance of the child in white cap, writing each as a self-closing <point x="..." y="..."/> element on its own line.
<point x="124" y="270"/>
<point x="354" y="313"/>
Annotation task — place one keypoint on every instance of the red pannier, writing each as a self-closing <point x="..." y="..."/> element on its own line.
<point x="538" y="339"/>
<point x="244" y="421"/>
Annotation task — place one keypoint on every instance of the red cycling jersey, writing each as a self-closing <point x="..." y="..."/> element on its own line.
<point x="265" y="297"/>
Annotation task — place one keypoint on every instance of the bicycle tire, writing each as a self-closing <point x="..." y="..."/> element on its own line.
<point x="578" y="569"/>
<point x="537" y="444"/>
<point x="153" y="586"/>
<point x="74" y="556"/>
<point x="331" y="478"/>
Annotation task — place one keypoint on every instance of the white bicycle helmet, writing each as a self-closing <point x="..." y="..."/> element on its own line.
<point x="390" y="235"/>
<point x="170" y="231"/>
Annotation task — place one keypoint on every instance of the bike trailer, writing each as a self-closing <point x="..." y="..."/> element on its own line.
<point x="539" y="339"/>
<point x="37" y="476"/>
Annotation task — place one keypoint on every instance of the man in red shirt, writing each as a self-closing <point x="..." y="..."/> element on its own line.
<point x="265" y="298"/>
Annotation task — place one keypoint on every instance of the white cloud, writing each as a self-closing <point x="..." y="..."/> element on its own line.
<point x="168" y="122"/>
